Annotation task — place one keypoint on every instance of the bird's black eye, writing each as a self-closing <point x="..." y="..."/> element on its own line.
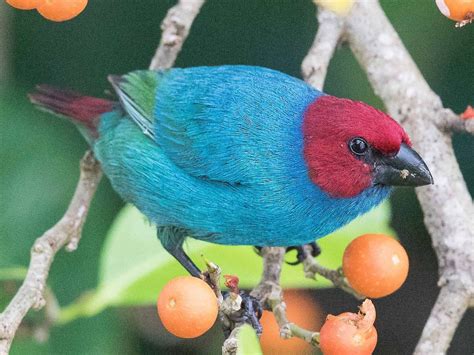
<point x="358" y="146"/>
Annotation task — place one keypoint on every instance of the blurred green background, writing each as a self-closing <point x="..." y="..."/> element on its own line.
<point x="40" y="154"/>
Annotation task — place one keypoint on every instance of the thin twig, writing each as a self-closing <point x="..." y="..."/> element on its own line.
<point x="312" y="268"/>
<point x="175" y="27"/>
<point x="31" y="293"/>
<point x="455" y="123"/>
<point x="214" y="272"/>
<point x="229" y="308"/>
<point x="307" y="335"/>
<point x="270" y="294"/>
<point x="315" y="64"/>
<point x="272" y="263"/>
<point x="231" y="344"/>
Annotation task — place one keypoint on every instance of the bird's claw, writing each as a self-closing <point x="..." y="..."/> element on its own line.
<point x="301" y="253"/>
<point x="258" y="250"/>
<point x="300" y="256"/>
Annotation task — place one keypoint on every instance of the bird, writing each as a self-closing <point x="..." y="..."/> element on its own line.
<point x="239" y="155"/>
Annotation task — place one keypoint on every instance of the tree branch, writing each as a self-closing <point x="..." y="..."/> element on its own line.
<point x="447" y="205"/>
<point x="270" y="294"/>
<point x="68" y="229"/>
<point x="312" y="268"/>
<point x="175" y="27"/>
<point x="452" y="302"/>
<point x="457" y="124"/>
<point x="316" y="62"/>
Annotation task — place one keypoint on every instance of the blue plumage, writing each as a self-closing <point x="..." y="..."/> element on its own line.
<point x="216" y="153"/>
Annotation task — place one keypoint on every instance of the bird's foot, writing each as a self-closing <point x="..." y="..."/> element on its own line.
<point x="300" y="256"/>
<point x="301" y="252"/>
<point x="250" y="312"/>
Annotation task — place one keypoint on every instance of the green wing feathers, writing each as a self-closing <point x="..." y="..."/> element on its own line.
<point x="137" y="94"/>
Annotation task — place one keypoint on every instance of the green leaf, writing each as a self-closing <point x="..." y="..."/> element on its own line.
<point x="248" y="341"/>
<point x="134" y="266"/>
<point x="14" y="273"/>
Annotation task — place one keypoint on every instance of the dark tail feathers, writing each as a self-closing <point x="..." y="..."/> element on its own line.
<point x="75" y="107"/>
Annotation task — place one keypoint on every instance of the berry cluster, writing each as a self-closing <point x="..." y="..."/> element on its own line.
<point x="375" y="266"/>
<point x="54" y="10"/>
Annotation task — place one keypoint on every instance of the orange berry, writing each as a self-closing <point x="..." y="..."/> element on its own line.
<point x="187" y="307"/>
<point x="457" y="10"/>
<point x="468" y="114"/>
<point x="300" y="309"/>
<point x="349" y="333"/>
<point x="375" y="265"/>
<point x="24" y="4"/>
<point x="61" y="10"/>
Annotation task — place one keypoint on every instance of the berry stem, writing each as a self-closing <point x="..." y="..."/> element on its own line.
<point x="307" y="335"/>
<point x="311" y="268"/>
<point x="213" y="278"/>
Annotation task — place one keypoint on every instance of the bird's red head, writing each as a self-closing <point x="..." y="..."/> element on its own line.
<point x="350" y="146"/>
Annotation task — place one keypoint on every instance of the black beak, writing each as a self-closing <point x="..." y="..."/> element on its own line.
<point x="404" y="169"/>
